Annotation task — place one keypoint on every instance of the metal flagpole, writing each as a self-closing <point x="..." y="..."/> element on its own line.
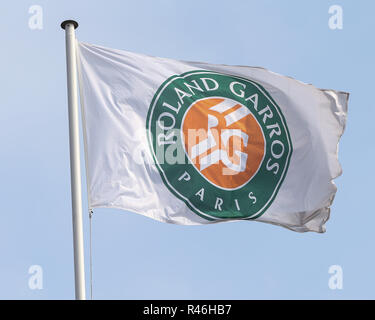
<point x="75" y="169"/>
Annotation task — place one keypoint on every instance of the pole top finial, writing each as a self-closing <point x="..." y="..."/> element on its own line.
<point x="64" y="23"/>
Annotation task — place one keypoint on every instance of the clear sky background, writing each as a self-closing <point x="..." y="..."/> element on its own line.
<point x="135" y="257"/>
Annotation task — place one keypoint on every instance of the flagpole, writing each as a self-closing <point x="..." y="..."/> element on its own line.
<point x="75" y="169"/>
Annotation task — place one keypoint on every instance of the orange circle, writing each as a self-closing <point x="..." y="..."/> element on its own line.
<point x="226" y="152"/>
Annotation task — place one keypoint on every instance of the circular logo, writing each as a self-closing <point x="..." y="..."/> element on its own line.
<point x="220" y="142"/>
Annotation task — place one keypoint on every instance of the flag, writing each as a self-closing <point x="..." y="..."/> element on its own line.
<point x="196" y="143"/>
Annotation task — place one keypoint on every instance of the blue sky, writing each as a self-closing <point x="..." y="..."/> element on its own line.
<point x="135" y="257"/>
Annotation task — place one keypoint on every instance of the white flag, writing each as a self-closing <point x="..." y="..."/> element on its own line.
<point x="195" y="143"/>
